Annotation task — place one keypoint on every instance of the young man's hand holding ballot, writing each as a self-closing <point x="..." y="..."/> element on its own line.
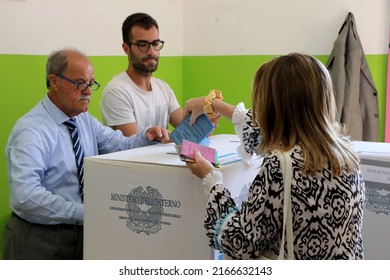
<point x="196" y="132"/>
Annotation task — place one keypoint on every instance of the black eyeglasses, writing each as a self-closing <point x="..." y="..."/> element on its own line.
<point x="82" y="86"/>
<point x="144" y="46"/>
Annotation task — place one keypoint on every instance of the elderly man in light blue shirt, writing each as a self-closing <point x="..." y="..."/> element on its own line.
<point x="45" y="198"/>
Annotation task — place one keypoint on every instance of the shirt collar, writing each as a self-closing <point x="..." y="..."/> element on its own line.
<point x="58" y="116"/>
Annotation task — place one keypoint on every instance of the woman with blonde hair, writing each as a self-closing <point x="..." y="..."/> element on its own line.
<point x="293" y="112"/>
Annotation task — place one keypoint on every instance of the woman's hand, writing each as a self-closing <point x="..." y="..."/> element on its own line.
<point x="201" y="167"/>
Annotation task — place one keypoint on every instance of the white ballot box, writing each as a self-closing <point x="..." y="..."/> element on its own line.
<point x="146" y="204"/>
<point x="375" y="166"/>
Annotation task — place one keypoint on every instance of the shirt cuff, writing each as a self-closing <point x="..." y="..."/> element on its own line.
<point x="79" y="214"/>
<point x="145" y="141"/>
<point x="238" y="120"/>
<point x="239" y="114"/>
<point x="211" y="179"/>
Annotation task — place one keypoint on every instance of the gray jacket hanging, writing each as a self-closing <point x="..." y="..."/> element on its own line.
<point x="355" y="92"/>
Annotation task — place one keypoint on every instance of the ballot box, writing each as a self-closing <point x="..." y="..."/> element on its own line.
<point x="375" y="167"/>
<point x="145" y="203"/>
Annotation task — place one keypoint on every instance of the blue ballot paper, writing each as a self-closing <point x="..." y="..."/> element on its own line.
<point x="195" y="133"/>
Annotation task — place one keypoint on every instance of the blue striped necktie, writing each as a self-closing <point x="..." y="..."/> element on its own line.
<point x="78" y="151"/>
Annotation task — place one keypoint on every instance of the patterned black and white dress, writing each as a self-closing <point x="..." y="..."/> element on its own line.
<point x="327" y="210"/>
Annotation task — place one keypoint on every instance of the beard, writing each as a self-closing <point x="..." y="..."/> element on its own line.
<point x="141" y="64"/>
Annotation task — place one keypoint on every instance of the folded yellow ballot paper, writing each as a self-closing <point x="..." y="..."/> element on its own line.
<point x="188" y="148"/>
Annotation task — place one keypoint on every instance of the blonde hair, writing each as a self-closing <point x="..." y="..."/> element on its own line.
<point x="293" y="103"/>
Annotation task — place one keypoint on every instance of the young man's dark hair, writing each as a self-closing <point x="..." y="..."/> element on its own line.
<point x="141" y="19"/>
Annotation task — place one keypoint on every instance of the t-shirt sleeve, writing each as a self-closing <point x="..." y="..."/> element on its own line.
<point x="115" y="109"/>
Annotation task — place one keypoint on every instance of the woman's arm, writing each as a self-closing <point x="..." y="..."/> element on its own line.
<point x="195" y="106"/>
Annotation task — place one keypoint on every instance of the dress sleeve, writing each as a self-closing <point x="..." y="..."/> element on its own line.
<point x="244" y="233"/>
<point x="249" y="134"/>
<point x="220" y="206"/>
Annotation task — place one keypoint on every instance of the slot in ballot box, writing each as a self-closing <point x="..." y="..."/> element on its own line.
<point x="145" y="203"/>
<point x="375" y="167"/>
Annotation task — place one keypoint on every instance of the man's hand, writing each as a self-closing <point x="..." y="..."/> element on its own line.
<point x="159" y="134"/>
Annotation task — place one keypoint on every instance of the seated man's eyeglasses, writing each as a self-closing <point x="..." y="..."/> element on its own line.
<point x="144" y="46"/>
<point x="82" y="86"/>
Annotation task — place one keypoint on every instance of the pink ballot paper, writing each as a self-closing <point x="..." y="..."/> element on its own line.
<point x="188" y="148"/>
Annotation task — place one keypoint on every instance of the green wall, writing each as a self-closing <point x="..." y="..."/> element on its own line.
<point x="22" y="85"/>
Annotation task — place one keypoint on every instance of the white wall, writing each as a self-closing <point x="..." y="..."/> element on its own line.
<point x="281" y="26"/>
<point x="192" y="27"/>
<point x="93" y="26"/>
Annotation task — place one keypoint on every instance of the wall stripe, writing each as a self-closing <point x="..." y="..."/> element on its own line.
<point x="387" y="125"/>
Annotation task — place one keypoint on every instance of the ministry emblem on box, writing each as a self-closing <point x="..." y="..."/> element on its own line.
<point x="145" y="209"/>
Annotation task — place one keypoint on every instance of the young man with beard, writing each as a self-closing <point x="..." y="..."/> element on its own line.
<point x="134" y="99"/>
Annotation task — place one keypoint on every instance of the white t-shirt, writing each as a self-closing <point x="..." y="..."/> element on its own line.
<point x="124" y="102"/>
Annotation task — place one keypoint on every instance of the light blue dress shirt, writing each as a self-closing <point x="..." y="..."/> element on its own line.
<point x="41" y="167"/>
